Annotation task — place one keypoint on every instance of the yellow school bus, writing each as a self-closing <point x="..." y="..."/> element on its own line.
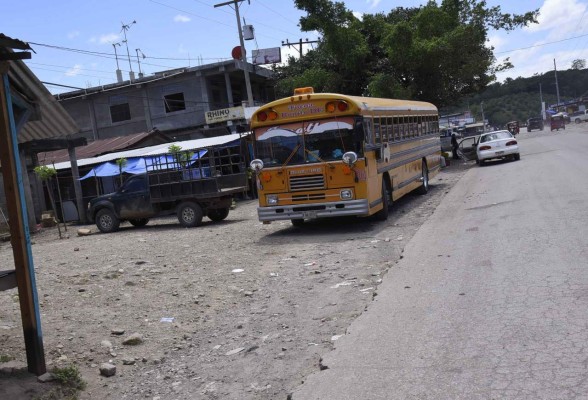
<point x="321" y="155"/>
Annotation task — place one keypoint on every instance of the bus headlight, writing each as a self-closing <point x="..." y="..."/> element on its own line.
<point x="256" y="165"/>
<point x="346" y="194"/>
<point x="271" y="199"/>
<point x="349" y="158"/>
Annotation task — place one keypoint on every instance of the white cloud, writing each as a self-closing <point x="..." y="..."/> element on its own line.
<point x="373" y="3"/>
<point x="496" y="42"/>
<point x="559" y="18"/>
<point x="181" y="18"/>
<point x="108" y="38"/>
<point x="358" y="15"/>
<point x="73" y="34"/>
<point x="74" y="71"/>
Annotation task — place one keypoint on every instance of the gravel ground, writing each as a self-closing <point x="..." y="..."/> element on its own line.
<point x="230" y="310"/>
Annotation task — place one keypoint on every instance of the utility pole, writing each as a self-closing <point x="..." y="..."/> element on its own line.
<point x="541" y="99"/>
<point x="243" y="52"/>
<point x="125" y="28"/>
<point x="483" y="119"/>
<point x="556" y="85"/>
<point x="288" y="43"/>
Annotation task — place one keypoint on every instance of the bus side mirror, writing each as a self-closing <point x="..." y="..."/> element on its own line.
<point x="358" y="133"/>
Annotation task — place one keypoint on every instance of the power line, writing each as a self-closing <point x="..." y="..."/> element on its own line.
<point x="540" y="45"/>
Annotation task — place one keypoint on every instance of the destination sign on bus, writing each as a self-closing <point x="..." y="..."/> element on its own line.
<point x="300" y="110"/>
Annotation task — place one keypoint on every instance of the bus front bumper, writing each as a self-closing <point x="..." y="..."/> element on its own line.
<point x="312" y="211"/>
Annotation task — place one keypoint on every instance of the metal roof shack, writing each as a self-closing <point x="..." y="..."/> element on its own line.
<point x="105" y="146"/>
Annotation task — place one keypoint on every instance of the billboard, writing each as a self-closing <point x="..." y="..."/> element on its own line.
<point x="224" y="114"/>
<point x="267" y="56"/>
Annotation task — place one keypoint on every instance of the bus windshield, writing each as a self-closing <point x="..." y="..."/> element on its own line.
<point x="305" y="142"/>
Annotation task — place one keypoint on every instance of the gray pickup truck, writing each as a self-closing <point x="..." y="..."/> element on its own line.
<point x="191" y="189"/>
<point x="579" y="116"/>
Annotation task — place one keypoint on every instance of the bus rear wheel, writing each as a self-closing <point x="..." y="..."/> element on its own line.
<point x="424" y="188"/>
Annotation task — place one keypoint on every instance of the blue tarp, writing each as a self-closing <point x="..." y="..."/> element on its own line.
<point x="139" y="165"/>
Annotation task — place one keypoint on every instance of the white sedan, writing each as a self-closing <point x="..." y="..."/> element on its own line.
<point x="497" y="144"/>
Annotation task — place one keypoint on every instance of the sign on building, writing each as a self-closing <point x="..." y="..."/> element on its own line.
<point x="267" y="56"/>
<point x="224" y="114"/>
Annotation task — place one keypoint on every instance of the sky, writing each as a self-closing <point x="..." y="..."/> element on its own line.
<point x="180" y="33"/>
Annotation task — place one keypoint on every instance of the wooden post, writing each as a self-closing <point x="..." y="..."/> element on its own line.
<point x="19" y="230"/>
<point x="71" y="150"/>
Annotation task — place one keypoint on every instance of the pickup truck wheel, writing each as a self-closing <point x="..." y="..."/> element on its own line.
<point x="218" y="214"/>
<point x="139" y="222"/>
<point x="106" y="221"/>
<point x="189" y="214"/>
<point x="577" y="120"/>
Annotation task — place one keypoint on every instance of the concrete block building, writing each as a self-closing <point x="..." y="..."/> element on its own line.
<point x="175" y="102"/>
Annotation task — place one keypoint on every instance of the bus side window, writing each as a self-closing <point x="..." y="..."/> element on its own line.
<point x="396" y="127"/>
<point x="389" y="130"/>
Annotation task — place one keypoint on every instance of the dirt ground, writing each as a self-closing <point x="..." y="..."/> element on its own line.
<point x="229" y="310"/>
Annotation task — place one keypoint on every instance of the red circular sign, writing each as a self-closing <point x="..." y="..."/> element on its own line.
<point x="236" y="53"/>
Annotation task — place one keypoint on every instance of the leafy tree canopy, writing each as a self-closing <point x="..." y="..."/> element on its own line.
<point x="434" y="52"/>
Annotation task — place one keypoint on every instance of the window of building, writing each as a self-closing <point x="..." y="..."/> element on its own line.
<point x="174" y="102"/>
<point x="120" y="112"/>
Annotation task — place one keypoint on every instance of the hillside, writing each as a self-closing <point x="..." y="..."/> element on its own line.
<point x="519" y="99"/>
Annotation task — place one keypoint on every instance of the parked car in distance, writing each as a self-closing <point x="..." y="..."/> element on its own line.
<point x="557" y="122"/>
<point x="534" y="123"/>
<point x="497" y="145"/>
<point x="579" y="116"/>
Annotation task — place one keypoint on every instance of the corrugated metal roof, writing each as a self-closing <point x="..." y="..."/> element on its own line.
<point x="93" y="149"/>
<point x="153" y="150"/>
<point x="52" y="119"/>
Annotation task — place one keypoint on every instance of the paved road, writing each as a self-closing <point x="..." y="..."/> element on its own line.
<point x="491" y="298"/>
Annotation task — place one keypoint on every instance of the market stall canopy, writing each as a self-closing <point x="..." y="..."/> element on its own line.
<point x="161" y="149"/>
<point x="139" y="165"/>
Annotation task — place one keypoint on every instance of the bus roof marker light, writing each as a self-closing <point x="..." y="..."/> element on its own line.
<point x="272" y="115"/>
<point x="304" y="90"/>
<point x="342" y="106"/>
<point x="330" y="107"/>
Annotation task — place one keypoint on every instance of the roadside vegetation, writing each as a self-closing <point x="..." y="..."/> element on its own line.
<point x="70" y="383"/>
<point x="520" y="98"/>
<point x="435" y="52"/>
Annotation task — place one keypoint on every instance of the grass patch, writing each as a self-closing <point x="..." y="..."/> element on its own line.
<point x="5" y="358"/>
<point x="69" y="376"/>
<point x="70" y="383"/>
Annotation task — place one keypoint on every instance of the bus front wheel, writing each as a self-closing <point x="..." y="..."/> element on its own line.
<point x="382" y="215"/>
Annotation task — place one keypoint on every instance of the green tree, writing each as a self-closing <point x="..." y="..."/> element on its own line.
<point x="579" y="64"/>
<point x="435" y="52"/>
<point x="121" y="163"/>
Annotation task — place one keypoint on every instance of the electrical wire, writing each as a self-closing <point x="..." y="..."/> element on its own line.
<point x="541" y="44"/>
